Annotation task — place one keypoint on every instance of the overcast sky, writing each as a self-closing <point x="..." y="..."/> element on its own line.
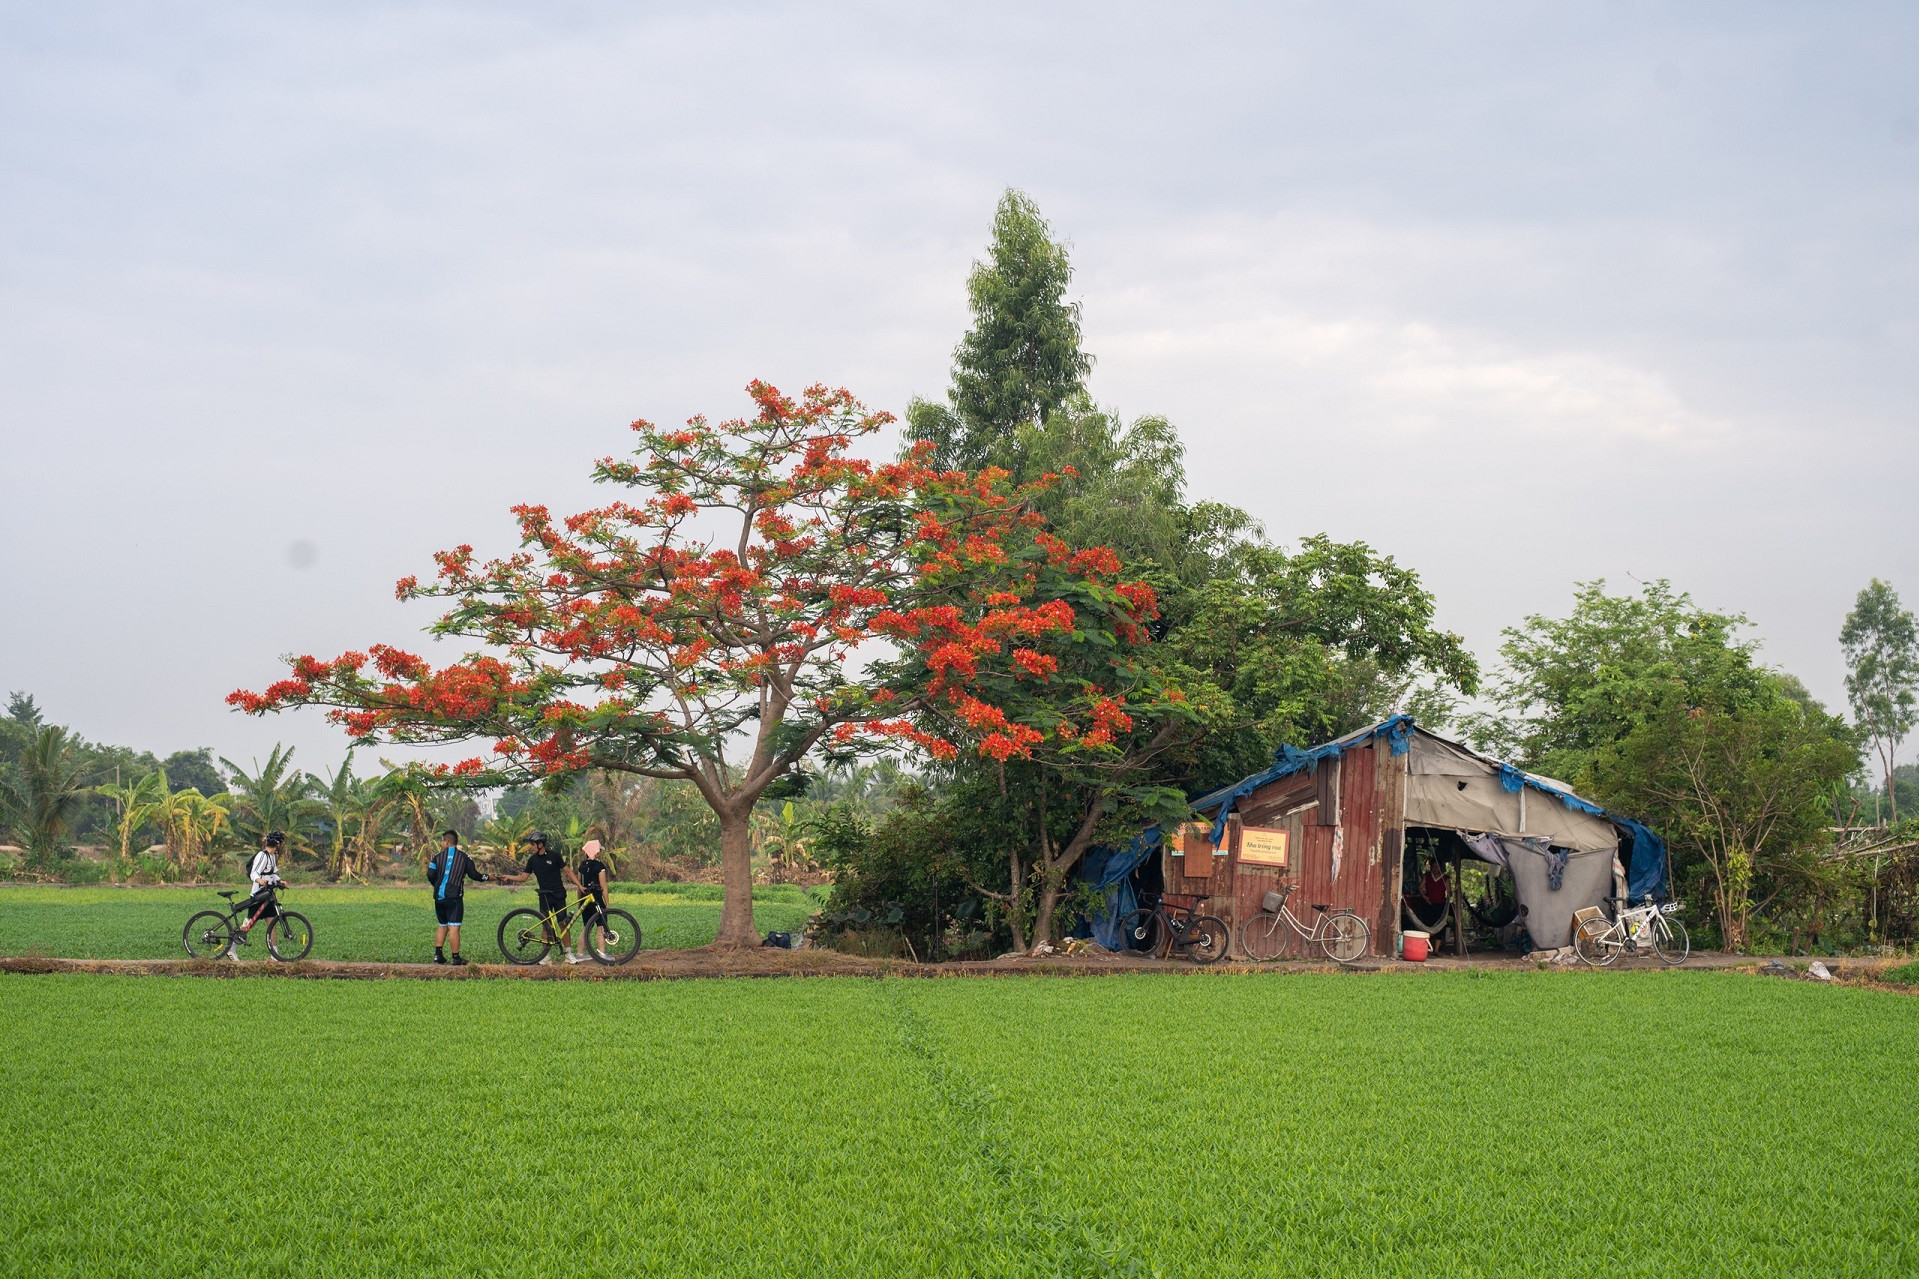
<point x="293" y="295"/>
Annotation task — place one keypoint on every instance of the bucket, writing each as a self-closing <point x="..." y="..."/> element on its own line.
<point x="1415" y="947"/>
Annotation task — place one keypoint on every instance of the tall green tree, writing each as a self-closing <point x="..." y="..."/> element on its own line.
<point x="44" y="794"/>
<point x="1741" y="792"/>
<point x="1880" y="639"/>
<point x="1569" y="687"/>
<point x="1021" y="361"/>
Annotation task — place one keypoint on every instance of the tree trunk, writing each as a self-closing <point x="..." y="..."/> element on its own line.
<point x="1012" y="904"/>
<point x="736" y="876"/>
<point x="1048" y="903"/>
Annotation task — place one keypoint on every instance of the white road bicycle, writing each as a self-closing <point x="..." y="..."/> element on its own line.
<point x="1653" y="928"/>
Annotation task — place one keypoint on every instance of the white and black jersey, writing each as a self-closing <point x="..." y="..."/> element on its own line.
<point x="265" y="871"/>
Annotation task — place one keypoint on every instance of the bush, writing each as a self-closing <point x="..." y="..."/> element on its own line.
<point x="1903" y="975"/>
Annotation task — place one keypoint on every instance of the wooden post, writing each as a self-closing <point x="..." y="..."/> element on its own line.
<point x="1459" y="907"/>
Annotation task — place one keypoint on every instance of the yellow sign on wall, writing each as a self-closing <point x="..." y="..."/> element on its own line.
<point x="1261" y="847"/>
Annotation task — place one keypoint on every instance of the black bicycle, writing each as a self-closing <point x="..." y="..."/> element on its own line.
<point x="1161" y="929"/>
<point x="211" y="933"/>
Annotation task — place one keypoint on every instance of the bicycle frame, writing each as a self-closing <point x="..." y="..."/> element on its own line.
<point x="1630" y="930"/>
<point x="576" y="908"/>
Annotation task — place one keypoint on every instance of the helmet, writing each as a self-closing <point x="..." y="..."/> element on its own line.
<point x="533" y="837"/>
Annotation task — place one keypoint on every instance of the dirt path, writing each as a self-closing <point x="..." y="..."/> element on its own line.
<point x="669" y="965"/>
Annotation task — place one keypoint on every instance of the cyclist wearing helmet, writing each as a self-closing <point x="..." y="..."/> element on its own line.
<point x="551" y="875"/>
<point x="264" y="873"/>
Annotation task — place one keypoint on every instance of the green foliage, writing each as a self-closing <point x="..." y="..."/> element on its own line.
<point x="1571" y="687"/>
<point x="274" y="796"/>
<point x="1021" y="360"/>
<point x="1310" y="645"/>
<point x="920" y="870"/>
<point x="1658" y="709"/>
<point x="957" y="1127"/>
<point x="1880" y="639"/>
<point x="43" y="793"/>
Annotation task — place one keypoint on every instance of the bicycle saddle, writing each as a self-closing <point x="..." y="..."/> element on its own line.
<point x="229" y="896"/>
<point x="1322" y="906"/>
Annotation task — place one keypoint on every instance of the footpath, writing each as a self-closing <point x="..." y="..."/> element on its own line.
<point x="671" y="965"/>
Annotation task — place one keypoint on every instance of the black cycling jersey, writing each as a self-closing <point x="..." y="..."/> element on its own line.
<point x="545" y="867"/>
<point x="448" y="872"/>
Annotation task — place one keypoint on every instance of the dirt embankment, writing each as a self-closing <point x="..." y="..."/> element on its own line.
<point x="668" y="965"/>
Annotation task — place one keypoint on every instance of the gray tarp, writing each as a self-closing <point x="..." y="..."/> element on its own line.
<point x="1455" y="789"/>
<point x="1549" y="915"/>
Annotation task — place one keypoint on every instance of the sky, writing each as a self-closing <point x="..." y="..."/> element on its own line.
<point x="1523" y="295"/>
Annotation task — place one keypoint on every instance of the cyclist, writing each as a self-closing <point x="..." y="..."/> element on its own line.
<point x="551" y="875"/>
<point x="264" y="873"/>
<point x="447" y="873"/>
<point x="594" y="877"/>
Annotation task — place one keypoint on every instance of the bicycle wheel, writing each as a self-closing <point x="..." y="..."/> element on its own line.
<point x="289" y="937"/>
<point x="1267" y="936"/>
<point x="613" y="938"/>
<point x="1345" y="938"/>
<point x="1206" y="940"/>
<point x="1143" y="932"/>
<point x="207" y="935"/>
<point x="522" y="937"/>
<point x="1592" y="942"/>
<point x="1670" y="941"/>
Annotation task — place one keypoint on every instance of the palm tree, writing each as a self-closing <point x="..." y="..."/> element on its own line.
<point x="272" y="797"/>
<point x="343" y="799"/>
<point x="137" y="805"/>
<point x="505" y="833"/>
<point x="786" y="844"/>
<point x="193" y="822"/>
<point x="406" y="791"/>
<point x="43" y="794"/>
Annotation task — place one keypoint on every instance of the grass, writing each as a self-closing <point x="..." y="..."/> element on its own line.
<point x="1440" y="1124"/>
<point x="383" y="924"/>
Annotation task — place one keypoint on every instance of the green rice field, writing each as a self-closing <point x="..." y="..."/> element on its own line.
<point x="1651" y="1123"/>
<point x="391" y="925"/>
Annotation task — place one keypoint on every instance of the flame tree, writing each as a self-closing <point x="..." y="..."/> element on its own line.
<point x="710" y="630"/>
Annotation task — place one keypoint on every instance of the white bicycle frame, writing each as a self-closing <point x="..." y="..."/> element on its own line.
<point x="1631" y="929"/>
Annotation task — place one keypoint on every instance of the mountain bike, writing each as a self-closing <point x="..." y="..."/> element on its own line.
<point x="611" y="936"/>
<point x="211" y="933"/>
<point x="1275" y="931"/>
<point x="1159" y="930"/>
<point x="1633" y="930"/>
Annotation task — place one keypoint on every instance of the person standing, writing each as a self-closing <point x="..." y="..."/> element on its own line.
<point x="595" y="877"/>
<point x="551" y="875"/>
<point x="264" y="873"/>
<point x="447" y="873"/>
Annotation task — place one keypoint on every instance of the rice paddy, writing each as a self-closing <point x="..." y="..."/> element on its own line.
<point x="388" y="925"/>
<point x="1507" y="1124"/>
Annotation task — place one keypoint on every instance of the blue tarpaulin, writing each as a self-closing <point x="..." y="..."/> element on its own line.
<point x="1112" y="869"/>
<point x="1288" y="760"/>
<point x="1647" y="875"/>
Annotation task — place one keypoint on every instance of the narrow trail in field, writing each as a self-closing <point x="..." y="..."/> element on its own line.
<point x="1034" y="1236"/>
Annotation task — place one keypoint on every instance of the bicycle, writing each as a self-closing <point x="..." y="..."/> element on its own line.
<point x="1159" y="930"/>
<point x="611" y="936"/>
<point x="1274" y="931"/>
<point x="1632" y="931"/>
<point x="210" y="934"/>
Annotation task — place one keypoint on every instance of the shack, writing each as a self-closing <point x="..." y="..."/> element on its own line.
<point x="1352" y="820"/>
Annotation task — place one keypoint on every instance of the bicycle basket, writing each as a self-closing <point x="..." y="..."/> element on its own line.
<point x="1272" y="901"/>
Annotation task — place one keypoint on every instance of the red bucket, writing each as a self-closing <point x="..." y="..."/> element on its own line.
<point x="1416" y="947"/>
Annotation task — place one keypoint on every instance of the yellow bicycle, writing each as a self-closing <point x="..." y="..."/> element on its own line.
<point x="611" y="936"/>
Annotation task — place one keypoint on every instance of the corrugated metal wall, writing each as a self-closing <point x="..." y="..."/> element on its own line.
<point x="1365" y="787"/>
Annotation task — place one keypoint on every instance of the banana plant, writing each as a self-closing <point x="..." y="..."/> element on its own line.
<point x="136" y="804"/>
